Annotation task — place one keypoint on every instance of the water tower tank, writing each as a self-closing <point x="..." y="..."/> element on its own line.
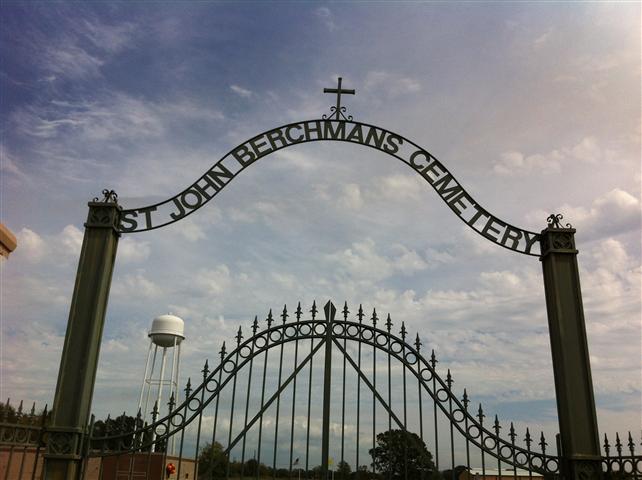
<point x="167" y="329"/>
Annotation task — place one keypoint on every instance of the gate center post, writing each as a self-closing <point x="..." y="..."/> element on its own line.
<point x="579" y="439"/>
<point x="330" y="312"/>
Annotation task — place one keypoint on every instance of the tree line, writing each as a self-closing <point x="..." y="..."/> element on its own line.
<point x="397" y="454"/>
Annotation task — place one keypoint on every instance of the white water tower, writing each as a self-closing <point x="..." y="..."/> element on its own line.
<point x="167" y="332"/>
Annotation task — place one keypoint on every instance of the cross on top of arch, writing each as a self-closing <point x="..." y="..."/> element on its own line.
<point x="338" y="111"/>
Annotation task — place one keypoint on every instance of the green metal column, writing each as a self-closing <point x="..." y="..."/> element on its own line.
<point x="77" y="373"/>
<point x="579" y="439"/>
<point x="330" y="312"/>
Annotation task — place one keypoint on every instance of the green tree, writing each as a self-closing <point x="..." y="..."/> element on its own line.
<point x="451" y="474"/>
<point x="212" y="462"/>
<point x="317" y="471"/>
<point x="402" y="454"/>
<point x="126" y="432"/>
<point x="251" y="467"/>
<point x="343" y="469"/>
<point x="362" y="473"/>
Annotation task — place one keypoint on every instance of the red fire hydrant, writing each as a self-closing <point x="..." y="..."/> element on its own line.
<point x="170" y="469"/>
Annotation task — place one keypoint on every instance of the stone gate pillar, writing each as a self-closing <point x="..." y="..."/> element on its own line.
<point x="77" y="373"/>
<point x="579" y="439"/>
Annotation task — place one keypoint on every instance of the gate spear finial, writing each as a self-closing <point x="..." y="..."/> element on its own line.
<point x="542" y="443"/>
<point x="403" y="331"/>
<point x="433" y="359"/>
<point x="480" y="414"/>
<point x="607" y="446"/>
<point x="188" y="386"/>
<point x="618" y="444"/>
<point x="496" y="426"/>
<point x="345" y="311"/>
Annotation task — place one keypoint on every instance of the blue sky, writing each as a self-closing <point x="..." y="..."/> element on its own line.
<point x="534" y="107"/>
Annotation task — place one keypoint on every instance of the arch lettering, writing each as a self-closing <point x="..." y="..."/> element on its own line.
<point x="417" y="158"/>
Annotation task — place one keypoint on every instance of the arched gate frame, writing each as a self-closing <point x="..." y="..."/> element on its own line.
<point x="106" y="222"/>
<point x="330" y="333"/>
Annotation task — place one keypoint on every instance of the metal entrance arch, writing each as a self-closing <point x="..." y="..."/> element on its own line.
<point x="425" y="407"/>
<point x="106" y="221"/>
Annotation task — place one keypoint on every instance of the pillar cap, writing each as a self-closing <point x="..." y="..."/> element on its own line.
<point x="104" y="213"/>
<point x="557" y="240"/>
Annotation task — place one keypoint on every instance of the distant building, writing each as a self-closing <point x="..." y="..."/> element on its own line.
<point x="8" y="242"/>
<point x="19" y="463"/>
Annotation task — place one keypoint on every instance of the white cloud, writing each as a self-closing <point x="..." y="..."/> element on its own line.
<point x="131" y="250"/>
<point x="351" y="197"/>
<point x="257" y="211"/>
<point x="612" y="213"/>
<point x="517" y="163"/>
<point x="108" y="117"/>
<point x="213" y="281"/>
<point x="9" y="164"/>
<point x="70" y="61"/>
<point x="31" y="246"/>
<point x="111" y="38"/>
<point x="400" y="186"/>
<point x="326" y="16"/>
<point x="362" y="261"/>
<point x="81" y="50"/>
<point x="391" y="84"/>
<point x="190" y="230"/>
<point x="135" y="286"/>
<point x="71" y="240"/>
<point x="408" y="261"/>
<point x="543" y="38"/>
<point x="64" y="247"/>
<point x="241" y="92"/>
<point x="118" y="116"/>
<point x="290" y="159"/>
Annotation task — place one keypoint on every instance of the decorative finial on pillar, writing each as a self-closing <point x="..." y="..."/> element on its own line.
<point x="109" y="196"/>
<point x="554" y="220"/>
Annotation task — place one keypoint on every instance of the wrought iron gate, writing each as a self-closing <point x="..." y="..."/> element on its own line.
<point x="257" y="413"/>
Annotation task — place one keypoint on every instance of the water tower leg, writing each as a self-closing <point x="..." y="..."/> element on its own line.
<point x="160" y="388"/>
<point x="172" y="387"/>
<point x="161" y="379"/>
<point x="142" y="386"/>
<point x="178" y="372"/>
<point x="149" y="383"/>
